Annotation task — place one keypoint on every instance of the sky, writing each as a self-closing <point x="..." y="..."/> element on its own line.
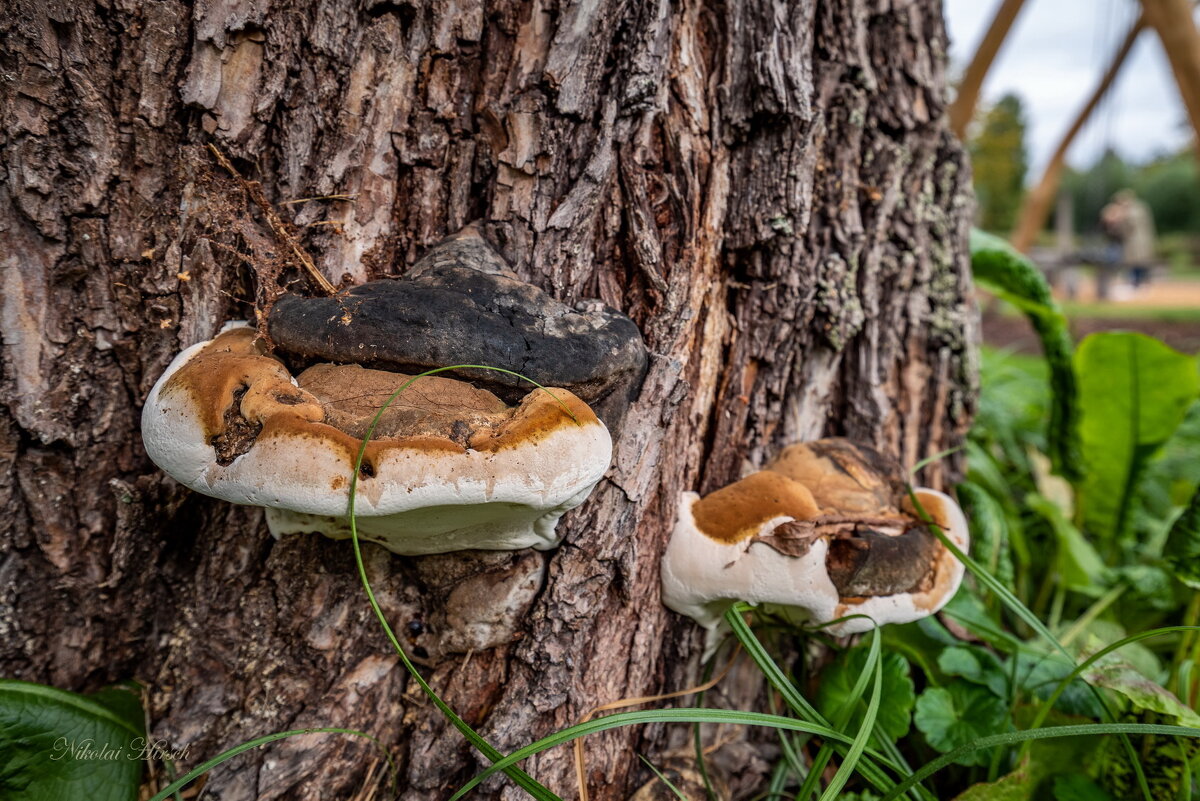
<point x="1054" y="57"/>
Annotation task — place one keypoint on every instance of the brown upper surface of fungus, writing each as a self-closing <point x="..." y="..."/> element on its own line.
<point x="843" y="475"/>
<point x="845" y="493"/>
<point x="245" y="396"/>
<point x="735" y="512"/>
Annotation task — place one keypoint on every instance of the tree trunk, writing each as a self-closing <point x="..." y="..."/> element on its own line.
<point x="767" y="188"/>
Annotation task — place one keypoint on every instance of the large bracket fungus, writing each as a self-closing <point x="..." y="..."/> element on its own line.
<point x="449" y="467"/>
<point x="825" y="531"/>
<point x="462" y="304"/>
<point x="453" y="465"/>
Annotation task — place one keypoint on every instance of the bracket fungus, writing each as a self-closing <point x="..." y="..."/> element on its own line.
<point x="450" y="467"/>
<point x="824" y="531"/>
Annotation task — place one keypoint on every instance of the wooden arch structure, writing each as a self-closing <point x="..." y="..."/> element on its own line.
<point x="1171" y="21"/>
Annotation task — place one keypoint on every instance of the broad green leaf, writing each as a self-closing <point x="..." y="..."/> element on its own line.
<point x="1182" y="551"/>
<point x="838" y="680"/>
<point x="976" y="665"/>
<point x="1016" y="786"/>
<point x="60" y="746"/>
<point x="1040" y="674"/>
<point x="1077" y="787"/>
<point x="1151" y="586"/>
<point x="989" y="530"/>
<point x="1133" y="393"/>
<point x="960" y="713"/>
<point x="920" y="643"/>
<point x="1078" y="563"/>
<point x="1173" y="475"/>
<point x="1005" y="272"/>
<point x="1116" y="674"/>
<point x="125" y="701"/>
<point x="1100" y="633"/>
<point x="984" y="744"/>
<point x="1165" y="761"/>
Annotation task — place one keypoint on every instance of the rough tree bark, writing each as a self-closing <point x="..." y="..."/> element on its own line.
<point x="766" y="187"/>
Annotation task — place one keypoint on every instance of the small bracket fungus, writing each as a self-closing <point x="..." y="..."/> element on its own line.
<point x="450" y="467"/>
<point x="462" y="304"/>
<point x="826" y="530"/>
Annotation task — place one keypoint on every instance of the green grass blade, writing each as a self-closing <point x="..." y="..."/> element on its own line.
<point x="697" y="742"/>
<point x="663" y="779"/>
<point x="987" y="579"/>
<point x="937" y="457"/>
<point x="203" y="768"/>
<point x="791" y="696"/>
<point x="1014" y="604"/>
<point x="1048" y="705"/>
<point x="778" y="783"/>
<point x="839" y="722"/>
<point x="791" y="756"/>
<point x="525" y="781"/>
<point x="850" y="760"/>
<point x="683" y="715"/>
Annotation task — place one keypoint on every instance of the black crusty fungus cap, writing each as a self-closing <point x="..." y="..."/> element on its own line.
<point x="461" y="304"/>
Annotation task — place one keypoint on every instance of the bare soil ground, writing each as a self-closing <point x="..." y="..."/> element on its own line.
<point x="1012" y="331"/>
<point x="1156" y="300"/>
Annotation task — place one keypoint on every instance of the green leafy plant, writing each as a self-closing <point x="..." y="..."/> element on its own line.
<point x="1133" y="393"/>
<point x="62" y="746"/>
<point x="973" y="698"/>
<point x="1002" y="270"/>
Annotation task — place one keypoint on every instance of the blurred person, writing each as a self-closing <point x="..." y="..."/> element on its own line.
<point x="1111" y="221"/>
<point x="1129" y="221"/>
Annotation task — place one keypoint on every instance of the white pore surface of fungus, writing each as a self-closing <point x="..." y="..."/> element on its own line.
<point x="450" y="468"/>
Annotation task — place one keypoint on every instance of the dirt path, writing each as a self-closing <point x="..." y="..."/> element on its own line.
<point x="1120" y="313"/>
<point x="1013" y="331"/>
<point x="1160" y="293"/>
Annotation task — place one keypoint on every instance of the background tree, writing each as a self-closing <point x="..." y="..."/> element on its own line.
<point x="1091" y="189"/>
<point x="766" y="187"/>
<point x="999" y="161"/>
<point x="1168" y="184"/>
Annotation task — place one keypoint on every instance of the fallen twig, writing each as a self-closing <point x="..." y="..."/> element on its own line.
<point x="254" y="191"/>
